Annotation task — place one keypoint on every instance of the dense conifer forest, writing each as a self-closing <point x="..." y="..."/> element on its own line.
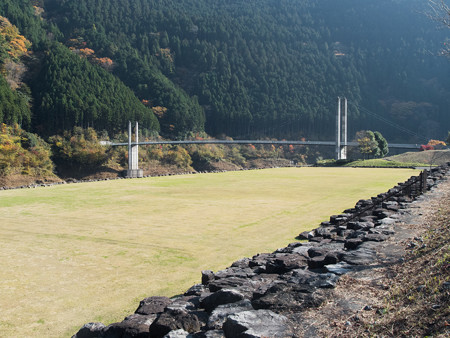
<point x="239" y="68"/>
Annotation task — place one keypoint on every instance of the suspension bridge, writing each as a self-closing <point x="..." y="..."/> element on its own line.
<point x="340" y="143"/>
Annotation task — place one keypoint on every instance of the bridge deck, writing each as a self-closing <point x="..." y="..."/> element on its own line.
<point x="318" y="143"/>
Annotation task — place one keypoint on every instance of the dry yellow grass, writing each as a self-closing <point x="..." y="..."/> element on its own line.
<point x="89" y="252"/>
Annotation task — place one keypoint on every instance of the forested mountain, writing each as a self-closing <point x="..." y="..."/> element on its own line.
<point x="48" y="88"/>
<point x="266" y="68"/>
<point x="256" y="67"/>
<point x="72" y="92"/>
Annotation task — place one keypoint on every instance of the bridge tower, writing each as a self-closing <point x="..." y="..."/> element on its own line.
<point x="341" y="130"/>
<point x="133" y="154"/>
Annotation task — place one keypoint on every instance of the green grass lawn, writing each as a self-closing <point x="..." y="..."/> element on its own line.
<point x="77" y="253"/>
<point x="383" y="163"/>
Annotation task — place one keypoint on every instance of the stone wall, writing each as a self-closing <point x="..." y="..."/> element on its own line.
<point x="264" y="296"/>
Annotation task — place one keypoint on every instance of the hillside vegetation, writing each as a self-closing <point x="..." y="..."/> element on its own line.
<point x="236" y="68"/>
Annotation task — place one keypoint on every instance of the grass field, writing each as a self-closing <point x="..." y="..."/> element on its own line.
<point x="89" y="252"/>
<point x="436" y="157"/>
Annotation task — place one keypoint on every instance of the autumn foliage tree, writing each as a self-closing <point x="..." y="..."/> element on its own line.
<point x="23" y="153"/>
<point x="79" y="148"/>
<point x="366" y="142"/>
<point x="11" y="42"/>
<point x="14" y="95"/>
<point x="372" y="143"/>
<point x="436" y="143"/>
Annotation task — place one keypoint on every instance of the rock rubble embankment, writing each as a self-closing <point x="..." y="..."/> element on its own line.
<point x="264" y="296"/>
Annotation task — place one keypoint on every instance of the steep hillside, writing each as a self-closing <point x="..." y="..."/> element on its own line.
<point x="241" y="68"/>
<point x="46" y="87"/>
<point x="274" y="68"/>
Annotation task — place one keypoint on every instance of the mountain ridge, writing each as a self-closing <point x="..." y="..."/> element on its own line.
<point x="268" y="70"/>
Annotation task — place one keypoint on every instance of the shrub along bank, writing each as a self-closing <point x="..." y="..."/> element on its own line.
<point x="23" y="153"/>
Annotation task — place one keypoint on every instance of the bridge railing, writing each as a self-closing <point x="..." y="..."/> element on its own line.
<point x="254" y="142"/>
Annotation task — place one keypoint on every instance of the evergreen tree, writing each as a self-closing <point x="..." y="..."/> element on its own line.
<point x="71" y="92"/>
<point x="383" y="148"/>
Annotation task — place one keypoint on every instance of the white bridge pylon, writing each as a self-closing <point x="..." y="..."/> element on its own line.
<point x="133" y="154"/>
<point x="341" y="130"/>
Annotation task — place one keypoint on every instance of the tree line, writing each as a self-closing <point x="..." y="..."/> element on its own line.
<point x="237" y="68"/>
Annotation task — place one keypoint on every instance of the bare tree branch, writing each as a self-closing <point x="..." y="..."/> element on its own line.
<point x="440" y="12"/>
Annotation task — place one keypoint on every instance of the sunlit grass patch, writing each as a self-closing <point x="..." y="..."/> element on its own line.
<point x="73" y="253"/>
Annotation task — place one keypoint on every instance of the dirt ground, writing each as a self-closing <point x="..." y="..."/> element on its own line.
<point x="154" y="168"/>
<point x="23" y="180"/>
<point x="406" y="293"/>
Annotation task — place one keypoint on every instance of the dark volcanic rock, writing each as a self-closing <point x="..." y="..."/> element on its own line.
<point x="169" y="321"/>
<point x="305" y="235"/>
<point x="323" y="280"/>
<point x="262" y="283"/>
<point x="375" y="237"/>
<point x="391" y="205"/>
<point x="303" y="249"/>
<point x="299" y="276"/>
<point x="285" y="262"/>
<point x="311" y="279"/>
<point x="134" y="326"/>
<point x="224" y="296"/>
<point x="358" y="225"/>
<point x="360" y="256"/>
<point x="317" y="251"/>
<point x="242" y="263"/>
<point x="368" y="218"/>
<point x="90" y="330"/>
<point x="339" y="219"/>
<point x="325" y="232"/>
<point x="316" y="262"/>
<point x="332" y="257"/>
<point x="285" y="298"/>
<point x="258" y="262"/>
<point x="196" y="290"/>
<point x="353" y="243"/>
<point x="256" y="324"/>
<point x="382" y="213"/>
<point x="228" y="283"/>
<point x="382" y="229"/>
<point x="357" y="234"/>
<point x="339" y="268"/>
<point x="180" y="333"/>
<point x="207" y="276"/>
<point x="288" y="249"/>
<point x="316" y="239"/>
<point x="152" y="305"/>
<point x="220" y="313"/>
<point x="209" y="334"/>
<point x="234" y="272"/>
<point x="183" y="304"/>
